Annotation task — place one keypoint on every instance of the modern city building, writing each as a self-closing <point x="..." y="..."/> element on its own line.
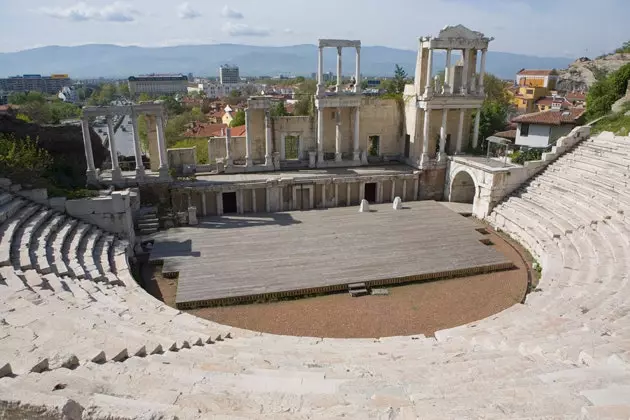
<point x="158" y="84"/>
<point x="229" y="75"/>
<point x="35" y="82"/>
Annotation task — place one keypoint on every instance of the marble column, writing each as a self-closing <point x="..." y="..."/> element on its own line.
<point x="163" y="169"/>
<point x="425" y="137"/>
<point x="136" y="146"/>
<point x="239" y="202"/>
<point x="320" y="72"/>
<point x="357" y="77"/>
<point x="427" y="88"/>
<point x="338" y="135"/>
<point x="460" y="131"/>
<point x="254" y="200"/>
<point x="204" y="208"/>
<point x="268" y="144"/>
<point x="442" y="154"/>
<point x="219" y="203"/>
<point x="90" y="173"/>
<point x="482" y="71"/>
<point x="464" y="88"/>
<point x="356" y="156"/>
<point x="348" y="192"/>
<point x="320" y="135"/>
<point x="336" y="199"/>
<point x="248" y="139"/>
<point x="404" y="191"/>
<point x="323" y="204"/>
<point x="339" y="77"/>
<point x="447" y="73"/>
<point x="393" y="191"/>
<point x="113" y="153"/>
<point x="475" y="141"/>
<point x="228" y="147"/>
<point x="416" y="185"/>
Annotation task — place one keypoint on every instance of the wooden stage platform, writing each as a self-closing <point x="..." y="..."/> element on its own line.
<point x="239" y="258"/>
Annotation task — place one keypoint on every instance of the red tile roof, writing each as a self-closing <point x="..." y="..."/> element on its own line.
<point x="550" y="100"/>
<point x="576" y="96"/>
<point x="509" y="134"/>
<point x="552" y="117"/>
<point x="525" y="72"/>
<point x="213" y="130"/>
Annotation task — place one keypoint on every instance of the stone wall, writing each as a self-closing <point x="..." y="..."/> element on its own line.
<point x="179" y="157"/>
<point x="304" y="127"/>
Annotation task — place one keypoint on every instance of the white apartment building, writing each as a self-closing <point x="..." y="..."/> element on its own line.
<point x="158" y="84"/>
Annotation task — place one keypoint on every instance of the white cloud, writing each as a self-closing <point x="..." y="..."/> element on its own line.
<point x="288" y="31"/>
<point x="242" y="29"/>
<point x="231" y="13"/>
<point x="184" y="11"/>
<point x="115" y="12"/>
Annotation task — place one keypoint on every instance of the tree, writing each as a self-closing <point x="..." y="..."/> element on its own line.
<point x="23" y="160"/>
<point x="493" y="118"/>
<point x="495" y="89"/>
<point x="305" y="105"/>
<point x="624" y="49"/>
<point x="279" y="110"/>
<point x="144" y="97"/>
<point x="396" y="86"/>
<point x="123" y="90"/>
<point x="235" y="94"/>
<point x="238" y="119"/>
<point x="605" y="92"/>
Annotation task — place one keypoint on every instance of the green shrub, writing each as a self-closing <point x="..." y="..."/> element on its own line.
<point x="525" y="155"/>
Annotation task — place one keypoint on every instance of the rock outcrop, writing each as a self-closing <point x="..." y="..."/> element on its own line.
<point x="583" y="72"/>
<point x="64" y="143"/>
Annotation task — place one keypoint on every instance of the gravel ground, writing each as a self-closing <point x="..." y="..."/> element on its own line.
<point x="421" y="308"/>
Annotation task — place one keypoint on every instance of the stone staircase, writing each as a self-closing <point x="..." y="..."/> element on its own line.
<point x="148" y="221"/>
<point x="357" y="289"/>
<point x="98" y="347"/>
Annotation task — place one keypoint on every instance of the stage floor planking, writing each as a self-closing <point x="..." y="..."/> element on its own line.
<point x="255" y="254"/>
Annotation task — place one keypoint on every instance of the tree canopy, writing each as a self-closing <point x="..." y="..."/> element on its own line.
<point x="279" y="110"/>
<point x="40" y="109"/>
<point x="305" y="105"/>
<point x="624" y="49"/>
<point x="605" y="92"/>
<point x="238" y="119"/>
<point x="396" y="86"/>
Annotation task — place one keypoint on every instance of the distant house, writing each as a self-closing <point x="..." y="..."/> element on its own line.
<point x="530" y="86"/>
<point x="540" y="129"/>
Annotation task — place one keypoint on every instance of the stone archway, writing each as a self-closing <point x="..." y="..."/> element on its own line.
<point x="463" y="188"/>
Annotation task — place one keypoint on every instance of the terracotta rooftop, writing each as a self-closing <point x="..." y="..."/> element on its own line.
<point x="525" y="72"/>
<point x="551" y="117"/>
<point x="509" y="134"/>
<point x="576" y="96"/>
<point x="549" y="100"/>
<point x="213" y="130"/>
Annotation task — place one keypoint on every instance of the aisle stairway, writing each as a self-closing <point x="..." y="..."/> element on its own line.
<point x="82" y="340"/>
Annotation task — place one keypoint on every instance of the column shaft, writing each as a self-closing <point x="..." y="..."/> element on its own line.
<point x="356" y="150"/>
<point x="443" y="130"/>
<point x="112" y="144"/>
<point x="426" y="132"/>
<point x="136" y="145"/>
<point x="228" y="146"/>
<point x="248" y="139"/>
<point x="254" y="200"/>
<point x="464" y="90"/>
<point x="339" y="77"/>
<point x="320" y="134"/>
<point x="447" y="72"/>
<point x="338" y="135"/>
<point x="320" y="71"/>
<point x="460" y="131"/>
<point x="87" y="144"/>
<point x="429" y="70"/>
<point x="476" y="129"/>
<point x="268" y="142"/>
<point x="159" y="123"/>
<point x="348" y="192"/>
<point x="357" y="77"/>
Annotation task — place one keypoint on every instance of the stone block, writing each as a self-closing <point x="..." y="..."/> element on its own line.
<point x="364" y="207"/>
<point x="397" y="204"/>
<point x="192" y="216"/>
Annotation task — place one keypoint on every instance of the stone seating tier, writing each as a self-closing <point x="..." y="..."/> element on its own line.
<point x="87" y="342"/>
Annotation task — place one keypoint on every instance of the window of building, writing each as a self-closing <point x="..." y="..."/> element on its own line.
<point x="530" y="91"/>
<point x="524" y="130"/>
<point x="524" y="102"/>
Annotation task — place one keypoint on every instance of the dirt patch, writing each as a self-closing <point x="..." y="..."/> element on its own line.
<point x="421" y="308"/>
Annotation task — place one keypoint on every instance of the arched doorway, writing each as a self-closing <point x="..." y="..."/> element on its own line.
<point x="462" y="188"/>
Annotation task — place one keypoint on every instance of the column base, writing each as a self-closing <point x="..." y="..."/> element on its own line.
<point x="312" y="158"/>
<point x="249" y="162"/>
<point x="424" y="160"/>
<point x="320" y="157"/>
<point x="140" y="172"/>
<point x="163" y="173"/>
<point x="364" y="159"/>
<point x="442" y="157"/>
<point x="268" y="160"/>
<point x="116" y="174"/>
<point x="337" y="157"/>
<point x="92" y="176"/>
<point x="229" y="162"/>
<point x="356" y="155"/>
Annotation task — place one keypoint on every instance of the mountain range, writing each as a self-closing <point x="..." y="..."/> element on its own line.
<point x="103" y="60"/>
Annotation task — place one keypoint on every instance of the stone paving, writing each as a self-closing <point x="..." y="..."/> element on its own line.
<point x="82" y="348"/>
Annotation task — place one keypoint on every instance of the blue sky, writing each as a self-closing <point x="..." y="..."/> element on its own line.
<point x="538" y="27"/>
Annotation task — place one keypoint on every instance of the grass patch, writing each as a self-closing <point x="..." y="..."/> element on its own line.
<point x="200" y="144"/>
<point x="618" y="124"/>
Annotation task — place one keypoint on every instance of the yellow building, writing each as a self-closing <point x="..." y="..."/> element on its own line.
<point x="525" y="97"/>
<point x="531" y="85"/>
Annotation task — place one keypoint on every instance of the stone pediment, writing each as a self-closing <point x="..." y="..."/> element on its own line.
<point x="460" y="32"/>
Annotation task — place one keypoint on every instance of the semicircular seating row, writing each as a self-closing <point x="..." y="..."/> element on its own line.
<point x="83" y="341"/>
